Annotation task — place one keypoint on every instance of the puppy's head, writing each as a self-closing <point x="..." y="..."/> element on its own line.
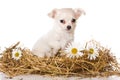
<point x="66" y="18"/>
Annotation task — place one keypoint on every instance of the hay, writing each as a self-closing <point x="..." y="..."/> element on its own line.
<point x="104" y="65"/>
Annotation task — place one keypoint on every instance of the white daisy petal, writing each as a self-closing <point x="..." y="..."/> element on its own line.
<point x="94" y="57"/>
<point x="91" y="58"/>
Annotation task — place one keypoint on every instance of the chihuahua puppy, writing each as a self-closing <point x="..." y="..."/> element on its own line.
<point x="61" y="34"/>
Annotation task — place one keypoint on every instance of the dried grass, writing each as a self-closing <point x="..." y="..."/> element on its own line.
<point x="104" y="65"/>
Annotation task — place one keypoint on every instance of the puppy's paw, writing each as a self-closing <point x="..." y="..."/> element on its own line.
<point x="38" y="53"/>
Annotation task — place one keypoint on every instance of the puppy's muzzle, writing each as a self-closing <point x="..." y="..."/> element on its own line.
<point x="68" y="27"/>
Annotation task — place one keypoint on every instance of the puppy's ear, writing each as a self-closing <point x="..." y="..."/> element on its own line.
<point x="52" y="13"/>
<point x="79" y="12"/>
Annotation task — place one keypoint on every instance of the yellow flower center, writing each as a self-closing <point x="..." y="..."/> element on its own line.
<point x="74" y="50"/>
<point x="17" y="54"/>
<point x="91" y="50"/>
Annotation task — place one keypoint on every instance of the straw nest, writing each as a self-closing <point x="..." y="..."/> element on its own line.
<point x="104" y="65"/>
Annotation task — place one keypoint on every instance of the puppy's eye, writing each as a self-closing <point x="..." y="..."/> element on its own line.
<point x="73" y="20"/>
<point x="62" y="21"/>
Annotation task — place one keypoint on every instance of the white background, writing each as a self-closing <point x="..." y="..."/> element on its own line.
<point x="27" y="20"/>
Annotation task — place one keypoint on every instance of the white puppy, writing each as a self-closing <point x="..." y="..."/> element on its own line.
<point x="61" y="34"/>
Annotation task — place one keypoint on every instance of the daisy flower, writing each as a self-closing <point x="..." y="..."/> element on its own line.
<point x="73" y="50"/>
<point x="93" y="51"/>
<point x="16" y="54"/>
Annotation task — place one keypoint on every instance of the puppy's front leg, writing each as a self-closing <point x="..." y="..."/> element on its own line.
<point x="55" y="47"/>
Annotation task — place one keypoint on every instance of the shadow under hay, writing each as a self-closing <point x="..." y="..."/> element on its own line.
<point x="105" y="64"/>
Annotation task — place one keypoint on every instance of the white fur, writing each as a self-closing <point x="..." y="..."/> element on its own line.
<point x="59" y="36"/>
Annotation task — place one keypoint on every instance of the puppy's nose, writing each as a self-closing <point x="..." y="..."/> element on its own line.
<point x="68" y="27"/>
